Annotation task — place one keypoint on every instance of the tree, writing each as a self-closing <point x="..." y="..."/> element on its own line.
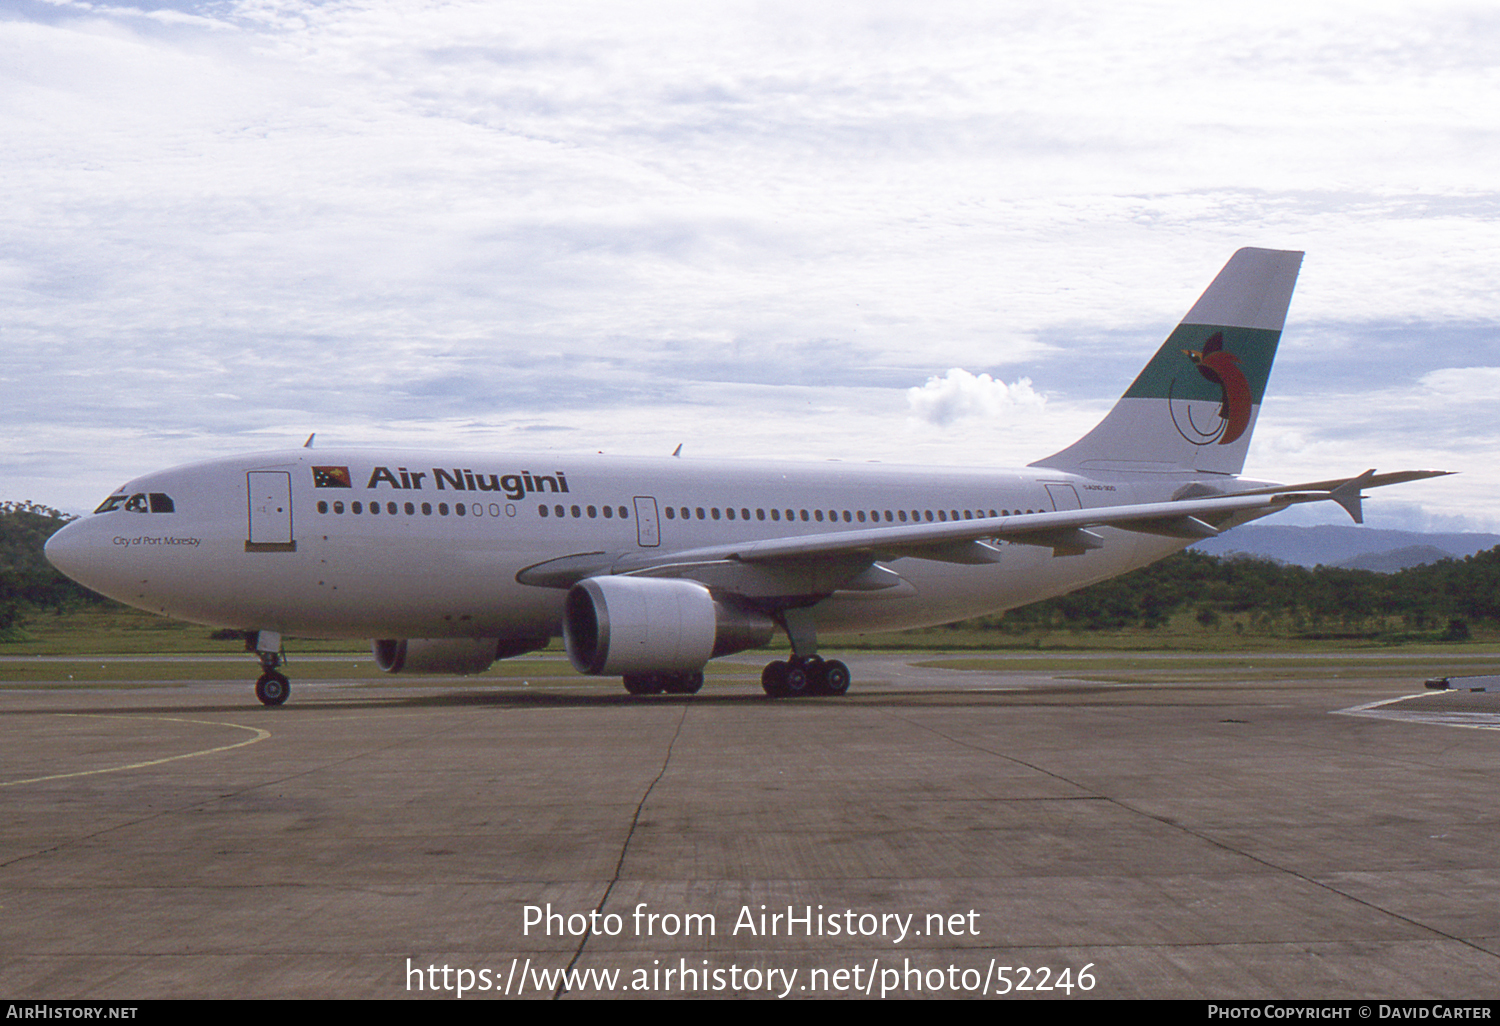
<point x="27" y="580"/>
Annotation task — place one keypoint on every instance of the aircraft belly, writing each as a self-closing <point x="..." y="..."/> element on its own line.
<point x="355" y="588"/>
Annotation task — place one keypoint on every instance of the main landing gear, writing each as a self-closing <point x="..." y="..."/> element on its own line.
<point x="806" y="673"/>
<point x="272" y="688"/>
<point x="811" y="676"/>
<point x="671" y="683"/>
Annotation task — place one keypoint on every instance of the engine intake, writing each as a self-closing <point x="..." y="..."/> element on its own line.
<point x="620" y="625"/>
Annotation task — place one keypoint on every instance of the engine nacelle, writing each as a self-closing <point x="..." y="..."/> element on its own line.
<point x="462" y="656"/>
<point x="620" y="625"/>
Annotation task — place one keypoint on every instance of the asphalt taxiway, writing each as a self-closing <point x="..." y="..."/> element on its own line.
<point x="1269" y="837"/>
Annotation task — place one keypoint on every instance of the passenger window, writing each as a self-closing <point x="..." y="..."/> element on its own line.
<point x="701" y="514"/>
<point x="460" y="508"/>
<point x="760" y="514"/>
<point x="729" y="512"/>
<point x="624" y="513"/>
<point x="390" y="508"/>
<point x="411" y="509"/>
<point x="542" y="509"/>
<point x="356" y="507"/>
<point x="442" y="509"/>
<point x="338" y="507"/>
<point x="576" y="512"/>
<point x="671" y="513"/>
<point x="593" y="513"/>
<point x="427" y="509"/>
<point x="609" y="512"/>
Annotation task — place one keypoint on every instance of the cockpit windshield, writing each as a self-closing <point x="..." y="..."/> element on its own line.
<point x="140" y="502"/>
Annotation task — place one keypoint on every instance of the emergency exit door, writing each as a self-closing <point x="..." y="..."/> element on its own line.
<point x="647" y="526"/>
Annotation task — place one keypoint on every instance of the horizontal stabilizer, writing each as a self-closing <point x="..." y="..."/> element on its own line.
<point x="1346" y="490"/>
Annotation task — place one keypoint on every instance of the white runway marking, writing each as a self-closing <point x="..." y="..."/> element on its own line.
<point x="1470" y="720"/>
<point x="260" y="735"/>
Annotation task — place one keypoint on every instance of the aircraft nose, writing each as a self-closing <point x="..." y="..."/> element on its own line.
<point x="65" y="549"/>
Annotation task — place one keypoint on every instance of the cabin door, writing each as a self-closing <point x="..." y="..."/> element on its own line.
<point x="270" y="493"/>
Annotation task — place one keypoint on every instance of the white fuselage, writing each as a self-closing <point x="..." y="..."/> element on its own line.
<point x="428" y="544"/>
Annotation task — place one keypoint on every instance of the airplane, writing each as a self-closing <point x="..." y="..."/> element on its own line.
<point x="650" y="567"/>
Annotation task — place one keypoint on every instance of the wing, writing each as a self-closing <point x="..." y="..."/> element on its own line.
<point x="818" y="564"/>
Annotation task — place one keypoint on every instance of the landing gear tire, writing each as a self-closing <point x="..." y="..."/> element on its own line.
<point x="804" y="677"/>
<point x="773" y="679"/>
<point x="811" y="676"/>
<point x="684" y="683"/>
<point x="272" y="688"/>
<point x="642" y="683"/>
<point x="656" y="683"/>
<point x="835" y="677"/>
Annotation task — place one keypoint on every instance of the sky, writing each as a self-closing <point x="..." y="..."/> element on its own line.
<point x="936" y="233"/>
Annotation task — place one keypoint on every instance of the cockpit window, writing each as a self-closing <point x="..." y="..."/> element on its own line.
<point x="140" y="502"/>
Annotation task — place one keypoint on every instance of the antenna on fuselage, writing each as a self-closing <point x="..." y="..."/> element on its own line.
<point x="677" y="451"/>
<point x="308" y="444"/>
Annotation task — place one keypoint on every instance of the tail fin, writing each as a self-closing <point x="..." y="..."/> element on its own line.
<point x="1194" y="406"/>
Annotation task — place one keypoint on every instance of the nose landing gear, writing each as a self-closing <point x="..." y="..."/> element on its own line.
<point x="272" y="688"/>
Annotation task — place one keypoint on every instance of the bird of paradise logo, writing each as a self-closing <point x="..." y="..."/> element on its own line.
<point x="1219" y="367"/>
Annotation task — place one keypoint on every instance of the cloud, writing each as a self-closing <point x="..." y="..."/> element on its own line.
<point x="1465" y="384"/>
<point x="959" y="395"/>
